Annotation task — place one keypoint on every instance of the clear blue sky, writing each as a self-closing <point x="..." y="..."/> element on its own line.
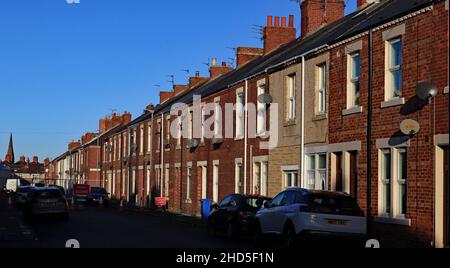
<point x="63" y="67"/>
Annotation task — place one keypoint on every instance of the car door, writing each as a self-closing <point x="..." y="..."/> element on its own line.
<point x="268" y="216"/>
<point x="220" y="216"/>
<point x="285" y="211"/>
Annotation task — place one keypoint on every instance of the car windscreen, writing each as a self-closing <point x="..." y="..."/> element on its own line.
<point x="97" y="191"/>
<point x="47" y="194"/>
<point x="338" y="205"/>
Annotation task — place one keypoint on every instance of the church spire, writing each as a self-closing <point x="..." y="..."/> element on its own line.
<point x="10" y="155"/>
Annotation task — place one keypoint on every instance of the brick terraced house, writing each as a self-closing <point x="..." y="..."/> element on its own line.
<point x="311" y="95"/>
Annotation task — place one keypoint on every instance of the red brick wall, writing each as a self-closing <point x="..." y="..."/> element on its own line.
<point x="425" y="48"/>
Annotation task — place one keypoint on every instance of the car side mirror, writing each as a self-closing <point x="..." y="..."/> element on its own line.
<point x="214" y="207"/>
<point x="268" y="205"/>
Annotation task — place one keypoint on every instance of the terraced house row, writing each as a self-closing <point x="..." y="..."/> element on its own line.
<point x="340" y="98"/>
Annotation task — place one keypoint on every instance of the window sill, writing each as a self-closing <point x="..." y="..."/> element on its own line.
<point x="262" y="135"/>
<point x="393" y="102"/>
<point x="289" y="123"/>
<point x="319" y="117"/>
<point x="446" y="90"/>
<point x="188" y="201"/>
<point x="238" y="138"/>
<point x="354" y="110"/>
<point x="397" y="221"/>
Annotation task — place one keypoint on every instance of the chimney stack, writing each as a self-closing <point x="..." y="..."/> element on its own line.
<point x="126" y="118"/>
<point x="245" y="55"/>
<point x="216" y="71"/>
<point x="88" y="137"/>
<point x="364" y="3"/>
<point x="278" y="34"/>
<point x="316" y="13"/>
<point x="179" y="88"/>
<point x="22" y="159"/>
<point x="165" y="95"/>
<point x="35" y="159"/>
<point x="74" y="145"/>
<point x="197" y="79"/>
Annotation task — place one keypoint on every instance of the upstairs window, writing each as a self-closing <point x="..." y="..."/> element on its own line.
<point x="394" y="62"/>
<point x="240" y="115"/>
<point x="322" y="89"/>
<point x="261" y="121"/>
<point x="291" y="86"/>
<point x="354" y="80"/>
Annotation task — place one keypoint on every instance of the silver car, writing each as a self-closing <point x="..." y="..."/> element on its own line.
<point x="46" y="201"/>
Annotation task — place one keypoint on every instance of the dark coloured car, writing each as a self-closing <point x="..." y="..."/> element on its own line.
<point x="235" y="215"/>
<point x="21" y="195"/>
<point x="44" y="202"/>
<point x="63" y="191"/>
<point x="98" y="195"/>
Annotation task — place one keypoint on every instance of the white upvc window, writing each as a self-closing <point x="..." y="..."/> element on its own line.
<point x="141" y="140"/>
<point x="191" y="125"/>
<point x="291" y="97"/>
<point x="188" y="183"/>
<point x="167" y="131"/>
<point x="322" y="88"/>
<point x="260" y="178"/>
<point x="217" y="119"/>
<point x="203" y="125"/>
<point x="149" y="138"/>
<point x="394" y="62"/>
<point x="239" y="187"/>
<point x="179" y="130"/>
<point x="261" y="106"/>
<point x="316" y="172"/>
<point x="240" y="115"/>
<point x="354" y="75"/>
<point x="393" y="176"/>
<point x="216" y="183"/>
<point x="291" y="178"/>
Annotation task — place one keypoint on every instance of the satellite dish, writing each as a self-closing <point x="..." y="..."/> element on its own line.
<point x="265" y="98"/>
<point x="426" y="90"/>
<point x="410" y="127"/>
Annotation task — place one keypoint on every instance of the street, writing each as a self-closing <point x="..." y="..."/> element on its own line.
<point x="107" y="228"/>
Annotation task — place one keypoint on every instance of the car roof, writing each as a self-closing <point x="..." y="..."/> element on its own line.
<point x="318" y="192"/>
<point x="46" y="188"/>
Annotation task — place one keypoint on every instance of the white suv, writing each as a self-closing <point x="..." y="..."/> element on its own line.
<point x="305" y="212"/>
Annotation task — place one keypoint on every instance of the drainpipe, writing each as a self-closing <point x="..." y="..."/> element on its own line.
<point x="162" y="157"/>
<point x="369" y="136"/>
<point x="302" y="149"/>
<point x="245" y="136"/>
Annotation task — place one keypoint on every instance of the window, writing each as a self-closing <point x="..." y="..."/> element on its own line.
<point x="191" y="125"/>
<point x="203" y="125"/>
<point x="179" y="130"/>
<point x="321" y="89"/>
<point x="290" y="178"/>
<point x="239" y="115"/>
<point x="316" y="171"/>
<point x="217" y="120"/>
<point x="394" y="63"/>
<point x="167" y="130"/>
<point x="141" y="140"/>
<point x="216" y="183"/>
<point x="188" y="183"/>
<point x="291" y="90"/>
<point x="402" y="167"/>
<point x="354" y="80"/>
<point x="238" y="179"/>
<point x="149" y="138"/>
<point x="386" y="179"/>
<point x="261" y="121"/>
<point x="260" y="178"/>
<point x="393" y="175"/>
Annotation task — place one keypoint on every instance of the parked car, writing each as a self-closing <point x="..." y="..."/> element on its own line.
<point x="98" y="194"/>
<point x="21" y="195"/>
<point x="63" y="191"/>
<point x="300" y="213"/>
<point x="235" y="214"/>
<point x="46" y="201"/>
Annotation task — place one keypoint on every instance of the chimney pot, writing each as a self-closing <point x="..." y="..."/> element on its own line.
<point x="269" y="21"/>
<point x="291" y="21"/>
<point x="214" y="62"/>
<point x="197" y="74"/>
<point x="277" y="21"/>
<point x="224" y="64"/>
<point x="283" y="21"/>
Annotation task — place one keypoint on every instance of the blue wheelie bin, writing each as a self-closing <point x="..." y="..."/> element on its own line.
<point x="206" y="208"/>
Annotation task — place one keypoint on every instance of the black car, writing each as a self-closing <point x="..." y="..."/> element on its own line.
<point x="235" y="214"/>
<point x="63" y="191"/>
<point x="98" y="195"/>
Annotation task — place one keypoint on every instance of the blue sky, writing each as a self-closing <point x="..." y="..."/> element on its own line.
<point x="64" y="66"/>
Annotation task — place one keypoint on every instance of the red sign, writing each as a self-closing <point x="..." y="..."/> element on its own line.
<point x="160" y="201"/>
<point x="81" y="190"/>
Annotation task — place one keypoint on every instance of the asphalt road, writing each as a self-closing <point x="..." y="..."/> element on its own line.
<point x="107" y="228"/>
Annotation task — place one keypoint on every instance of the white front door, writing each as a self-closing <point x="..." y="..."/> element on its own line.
<point x="216" y="184"/>
<point x="204" y="183"/>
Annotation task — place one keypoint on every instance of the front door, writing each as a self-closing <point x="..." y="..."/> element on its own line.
<point x="446" y="199"/>
<point x="339" y="173"/>
<point x="354" y="174"/>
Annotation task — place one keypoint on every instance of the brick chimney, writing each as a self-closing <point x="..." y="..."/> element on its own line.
<point x="105" y="124"/>
<point x="179" y="88"/>
<point x="316" y="13"/>
<point x="245" y="55"/>
<point x="165" y="95"/>
<point x="88" y="137"/>
<point x="22" y="159"/>
<point x="276" y="34"/>
<point x="216" y="71"/>
<point x="197" y="79"/>
<point x="35" y="159"/>
<point x="364" y="3"/>
<point x="74" y="145"/>
<point x="126" y="118"/>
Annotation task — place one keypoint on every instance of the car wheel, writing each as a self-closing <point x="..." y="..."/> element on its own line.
<point x="289" y="236"/>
